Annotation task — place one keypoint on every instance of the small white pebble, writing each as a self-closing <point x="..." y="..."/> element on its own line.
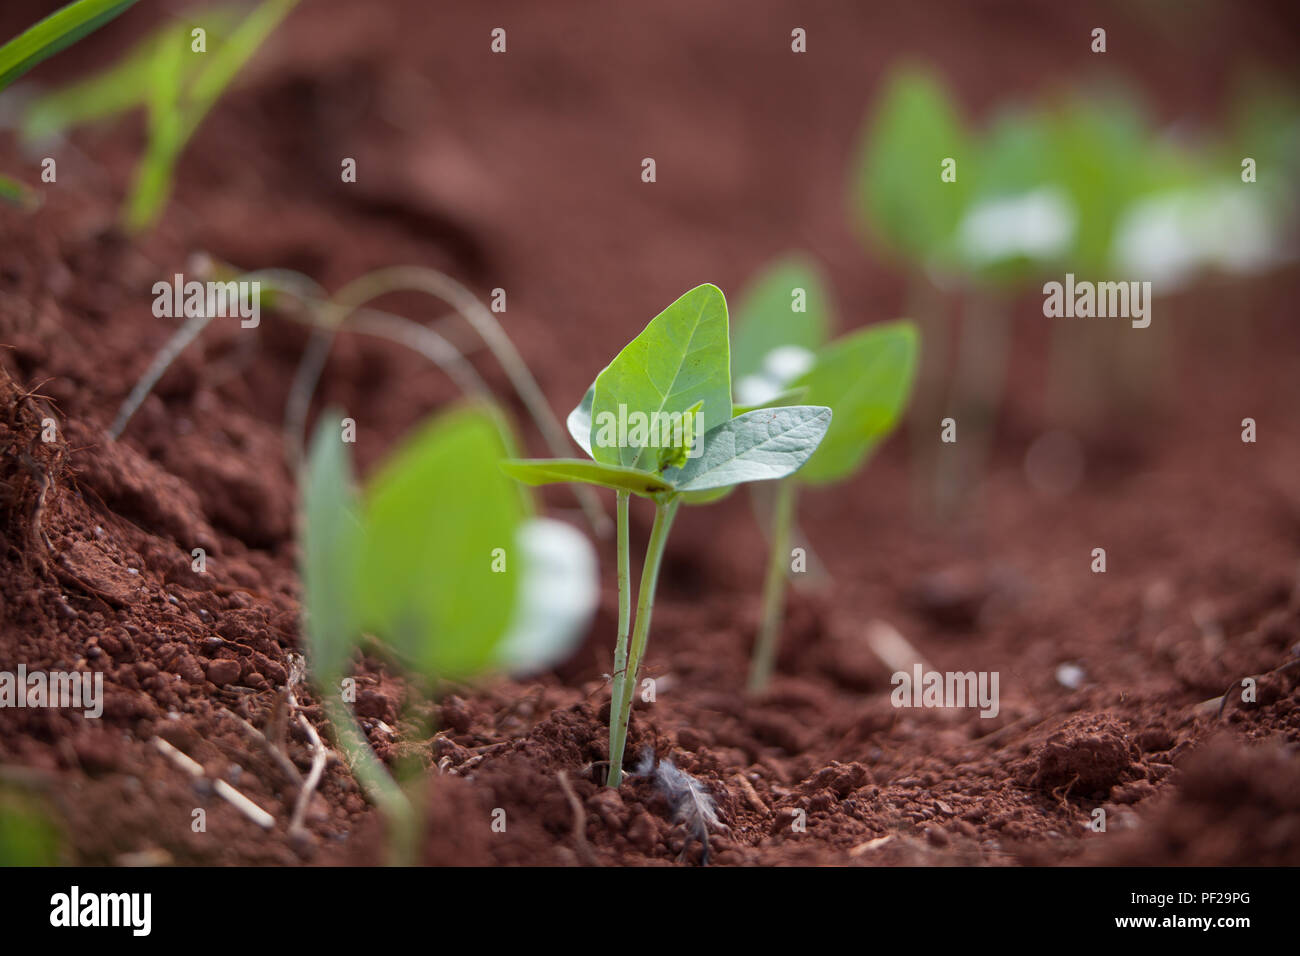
<point x="1070" y="675"/>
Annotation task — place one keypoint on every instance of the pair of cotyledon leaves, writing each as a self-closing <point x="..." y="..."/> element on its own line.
<point x="855" y="387"/>
<point x="440" y="558"/>
<point x="680" y="365"/>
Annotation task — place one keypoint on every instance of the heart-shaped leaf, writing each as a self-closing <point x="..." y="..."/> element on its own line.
<point x="757" y="446"/>
<point x="680" y="359"/>
<point x="788" y="304"/>
<point x="866" y="377"/>
<point x="899" y="193"/>
<point x="439" y="576"/>
<point x="549" y="471"/>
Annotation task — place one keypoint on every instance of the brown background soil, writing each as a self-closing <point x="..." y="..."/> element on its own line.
<point x="522" y="172"/>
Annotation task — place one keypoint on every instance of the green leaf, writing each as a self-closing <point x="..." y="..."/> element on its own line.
<point x="224" y="64"/>
<point x="766" y="318"/>
<point x="579" y="420"/>
<point x="435" y="516"/>
<point x="17" y="194"/>
<point x="153" y="175"/>
<point x="176" y="111"/>
<point x="29" y="835"/>
<point x="56" y="32"/>
<point x="898" y="194"/>
<point x="128" y="83"/>
<point x="757" y="446"/>
<point x="331" y="534"/>
<point x="681" y="358"/>
<point x="550" y="471"/>
<point x="706" y="497"/>
<point x="1021" y="219"/>
<point x="791" y="396"/>
<point x="866" y="378"/>
<point x="1096" y="149"/>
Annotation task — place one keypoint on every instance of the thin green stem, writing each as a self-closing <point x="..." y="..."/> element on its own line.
<point x="383" y="791"/>
<point x="664" y="514"/>
<point x="769" y="630"/>
<point x="616" y="718"/>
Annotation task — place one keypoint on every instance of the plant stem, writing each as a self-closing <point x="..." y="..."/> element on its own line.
<point x="664" y="514"/>
<point x="616" y="718"/>
<point x="380" y="787"/>
<point x="978" y="386"/>
<point x="482" y="321"/>
<point x="769" y="630"/>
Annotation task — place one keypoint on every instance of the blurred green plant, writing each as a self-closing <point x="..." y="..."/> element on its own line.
<point x="41" y="41"/>
<point x="443" y="563"/>
<point x="176" y="84"/>
<point x="678" y="366"/>
<point x="28" y="835"/>
<point x="865" y="377"/>
<point x="1083" y="184"/>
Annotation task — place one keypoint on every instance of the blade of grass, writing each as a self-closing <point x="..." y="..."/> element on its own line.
<point x="174" y="117"/>
<point x="56" y="32"/>
<point x="153" y="177"/>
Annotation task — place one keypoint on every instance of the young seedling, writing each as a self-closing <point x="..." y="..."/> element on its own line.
<point x="864" y="377"/>
<point x="658" y="423"/>
<point x="176" y="86"/>
<point x="42" y="40"/>
<point x="443" y="564"/>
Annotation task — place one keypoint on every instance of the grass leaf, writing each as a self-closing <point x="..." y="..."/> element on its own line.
<point x="56" y="32"/>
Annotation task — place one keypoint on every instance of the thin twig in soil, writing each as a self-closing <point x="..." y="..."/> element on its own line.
<point x="194" y="770"/>
<point x="751" y="795"/>
<point x="585" y="853"/>
<point x="170" y="351"/>
<point x="281" y="759"/>
<point x="318" y="760"/>
<point x="1223" y="701"/>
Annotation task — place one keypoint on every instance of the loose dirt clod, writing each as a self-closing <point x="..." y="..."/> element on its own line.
<point x="1087" y="756"/>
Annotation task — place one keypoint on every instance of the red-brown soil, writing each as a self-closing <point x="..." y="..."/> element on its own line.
<point x="522" y="172"/>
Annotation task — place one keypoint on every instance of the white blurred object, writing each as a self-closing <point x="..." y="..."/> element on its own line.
<point x="1070" y="675"/>
<point x="781" y="366"/>
<point x="1038" y="224"/>
<point x="1167" y="239"/>
<point x="558" y="595"/>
